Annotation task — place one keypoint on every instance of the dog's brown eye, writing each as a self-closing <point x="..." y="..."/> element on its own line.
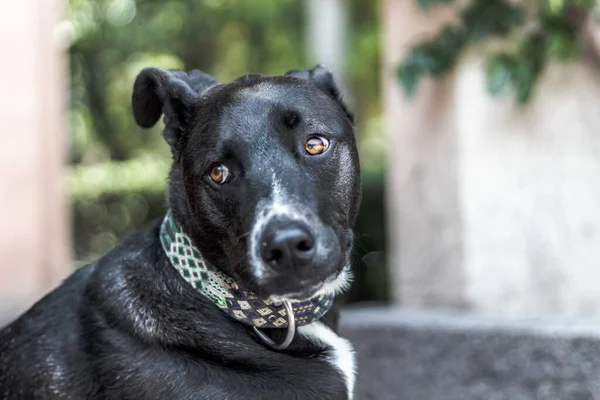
<point x="316" y="145"/>
<point x="219" y="174"/>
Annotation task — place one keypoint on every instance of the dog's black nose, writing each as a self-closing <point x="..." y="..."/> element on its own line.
<point x="289" y="246"/>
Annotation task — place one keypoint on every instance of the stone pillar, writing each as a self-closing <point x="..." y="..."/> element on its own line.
<point x="327" y="33"/>
<point x="493" y="208"/>
<point x="34" y="254"/>
<point x="529" y="191"/>
<point x="426" y="252"/>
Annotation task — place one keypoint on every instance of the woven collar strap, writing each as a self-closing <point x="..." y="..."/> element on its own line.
<point x="243" y="306"/>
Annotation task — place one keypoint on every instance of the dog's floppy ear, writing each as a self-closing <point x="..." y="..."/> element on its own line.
<point x="322" y="78"/>
<point x="172" y="92"/>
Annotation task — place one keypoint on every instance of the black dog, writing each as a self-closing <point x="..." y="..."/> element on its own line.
<point x="211" y="303"/>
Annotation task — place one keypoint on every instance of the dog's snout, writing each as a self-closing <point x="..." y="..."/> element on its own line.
<point x="285" y="246"/>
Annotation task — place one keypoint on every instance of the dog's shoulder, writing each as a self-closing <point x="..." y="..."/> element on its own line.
<point x="135" y="255"/>
<point x="39" y="352"/>
<point x="45" y="352"/>
<point x="127" y="289"/>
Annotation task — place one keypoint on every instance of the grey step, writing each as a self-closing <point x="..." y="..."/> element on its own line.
<point x="417" y="355"/>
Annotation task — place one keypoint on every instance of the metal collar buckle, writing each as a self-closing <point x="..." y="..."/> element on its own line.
<point x="291" y="330"/>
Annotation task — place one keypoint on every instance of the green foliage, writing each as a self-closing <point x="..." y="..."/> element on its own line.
<point x="434" y="57"/>
<point x="100" y="222"/>
<point x="111" y="40"/>
<point x="483" y="19"/>
<point x="555" y="36"/>
<point x="145" y="173"/>
<point x="519" y="69"/>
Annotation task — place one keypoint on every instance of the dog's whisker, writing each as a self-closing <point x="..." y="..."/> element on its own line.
<point x="243" y="235"/>
<point x="360" y="245"/>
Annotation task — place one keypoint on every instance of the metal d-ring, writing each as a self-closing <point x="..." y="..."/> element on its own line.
<point x="291" y="330"/>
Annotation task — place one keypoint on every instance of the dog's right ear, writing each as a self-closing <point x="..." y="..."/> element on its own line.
<point x="323" y="79"/>
<point x="174" y="93"/>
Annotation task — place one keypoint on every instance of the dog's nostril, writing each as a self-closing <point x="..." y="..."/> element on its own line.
<point x="305" y="245"/>
<point x="274" y="256"/>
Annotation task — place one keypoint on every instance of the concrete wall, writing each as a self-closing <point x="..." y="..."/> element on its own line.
<point x="425" y="226"/>
<point x="33" y="233"/>
<point x="493" y="208"/>
<point x="530" y="194"/>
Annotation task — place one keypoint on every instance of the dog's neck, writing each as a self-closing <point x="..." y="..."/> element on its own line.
<point x="176" y="198"/>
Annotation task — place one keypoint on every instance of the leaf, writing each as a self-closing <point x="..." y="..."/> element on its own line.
<point x="498" y="72"/>
<point x="562" y="46"/>
<point x="426" y="58"/>
<point x="438" y="55"/>
<point x="484" y="18"/>
<point x="408" y="76"/>
<point x="434" y="57"/>
<point x="522" y="80"/>
<point x="520" y="69"/>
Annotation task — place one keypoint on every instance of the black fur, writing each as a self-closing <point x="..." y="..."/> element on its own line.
<point x="128" y="327"/>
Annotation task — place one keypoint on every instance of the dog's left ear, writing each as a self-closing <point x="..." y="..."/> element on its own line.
<point x="322" y="78"/>
<point x="172" y="93"/>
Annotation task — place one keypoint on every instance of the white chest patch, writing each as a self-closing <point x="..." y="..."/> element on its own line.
<point x="340" y="353"/>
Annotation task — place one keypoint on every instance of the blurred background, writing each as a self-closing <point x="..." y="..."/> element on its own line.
<point x="478" y="242"/>
<point x="478" y="130"/>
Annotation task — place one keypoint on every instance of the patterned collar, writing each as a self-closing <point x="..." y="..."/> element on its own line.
<point x="243" y="306"/>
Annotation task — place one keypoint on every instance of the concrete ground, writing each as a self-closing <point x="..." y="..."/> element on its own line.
<point x="406" y="355"/>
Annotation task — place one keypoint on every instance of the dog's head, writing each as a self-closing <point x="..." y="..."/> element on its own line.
<point x="265" y="174"/>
